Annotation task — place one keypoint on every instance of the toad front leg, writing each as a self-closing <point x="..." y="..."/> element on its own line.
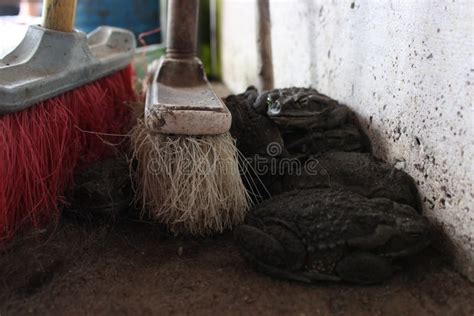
<point x="277" y="251"/>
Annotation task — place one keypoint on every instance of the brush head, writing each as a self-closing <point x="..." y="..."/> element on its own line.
<point x="187" y="162"/>
<point x="48" y="63"/>
<point x="181" y="101"/>
<point x="41" y="147"/>
<point x="190" y="183"/>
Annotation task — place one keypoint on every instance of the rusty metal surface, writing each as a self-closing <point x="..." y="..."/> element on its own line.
<point x="182" y="27"/>
<point x="200" y="97"/>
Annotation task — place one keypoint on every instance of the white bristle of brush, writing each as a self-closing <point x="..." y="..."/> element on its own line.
<point x="189" y="183"/>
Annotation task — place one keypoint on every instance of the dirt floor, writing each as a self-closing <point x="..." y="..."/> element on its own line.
<point x="131" y="267"/>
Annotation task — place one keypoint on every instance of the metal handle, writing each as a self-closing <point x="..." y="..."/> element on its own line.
<point x="182" y="28"/>
<point x="59" y="15"/>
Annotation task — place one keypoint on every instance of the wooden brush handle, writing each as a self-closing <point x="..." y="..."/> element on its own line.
<point x="59" y="15"/>
<point x="182" y="27"/>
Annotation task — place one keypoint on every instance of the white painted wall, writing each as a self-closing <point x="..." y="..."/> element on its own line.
<point x="406" y="67"/>
<point x="239" y="43"/>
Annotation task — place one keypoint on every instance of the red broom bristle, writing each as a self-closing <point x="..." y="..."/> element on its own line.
<point x="41" y="147"/>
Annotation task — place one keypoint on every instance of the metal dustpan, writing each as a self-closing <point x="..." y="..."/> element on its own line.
<point x="180" y="99"/>
<point x="48" y="62"/>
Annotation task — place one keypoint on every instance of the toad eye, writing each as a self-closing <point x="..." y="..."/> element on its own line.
<point x="275" y="108"/>
<point x="269" y="102"/>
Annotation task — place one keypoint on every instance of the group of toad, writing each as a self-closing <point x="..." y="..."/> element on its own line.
<point x="324" y="208"/>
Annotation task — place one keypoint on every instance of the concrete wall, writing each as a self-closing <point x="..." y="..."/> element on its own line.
<point x="239" y="43"/>
<point x="407" y="69"/>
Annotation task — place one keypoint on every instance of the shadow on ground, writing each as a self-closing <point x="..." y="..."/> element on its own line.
<point x="133" y="268"/>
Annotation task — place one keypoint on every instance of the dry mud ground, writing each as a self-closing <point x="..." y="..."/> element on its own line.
<point x="133" y="268"/>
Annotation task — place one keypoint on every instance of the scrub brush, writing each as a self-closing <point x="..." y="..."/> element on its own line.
<point x="187" y="162"/>
<point x="62" y="94"/>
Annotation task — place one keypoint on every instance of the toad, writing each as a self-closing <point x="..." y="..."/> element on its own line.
<point x="330" y="235"/>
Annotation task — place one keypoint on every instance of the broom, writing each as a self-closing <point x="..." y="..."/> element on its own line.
<point x="54" y="116"/>
<point x="186" y="161"/>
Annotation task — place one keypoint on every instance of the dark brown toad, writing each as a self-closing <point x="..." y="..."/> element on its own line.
<point x="330" y="235"/>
